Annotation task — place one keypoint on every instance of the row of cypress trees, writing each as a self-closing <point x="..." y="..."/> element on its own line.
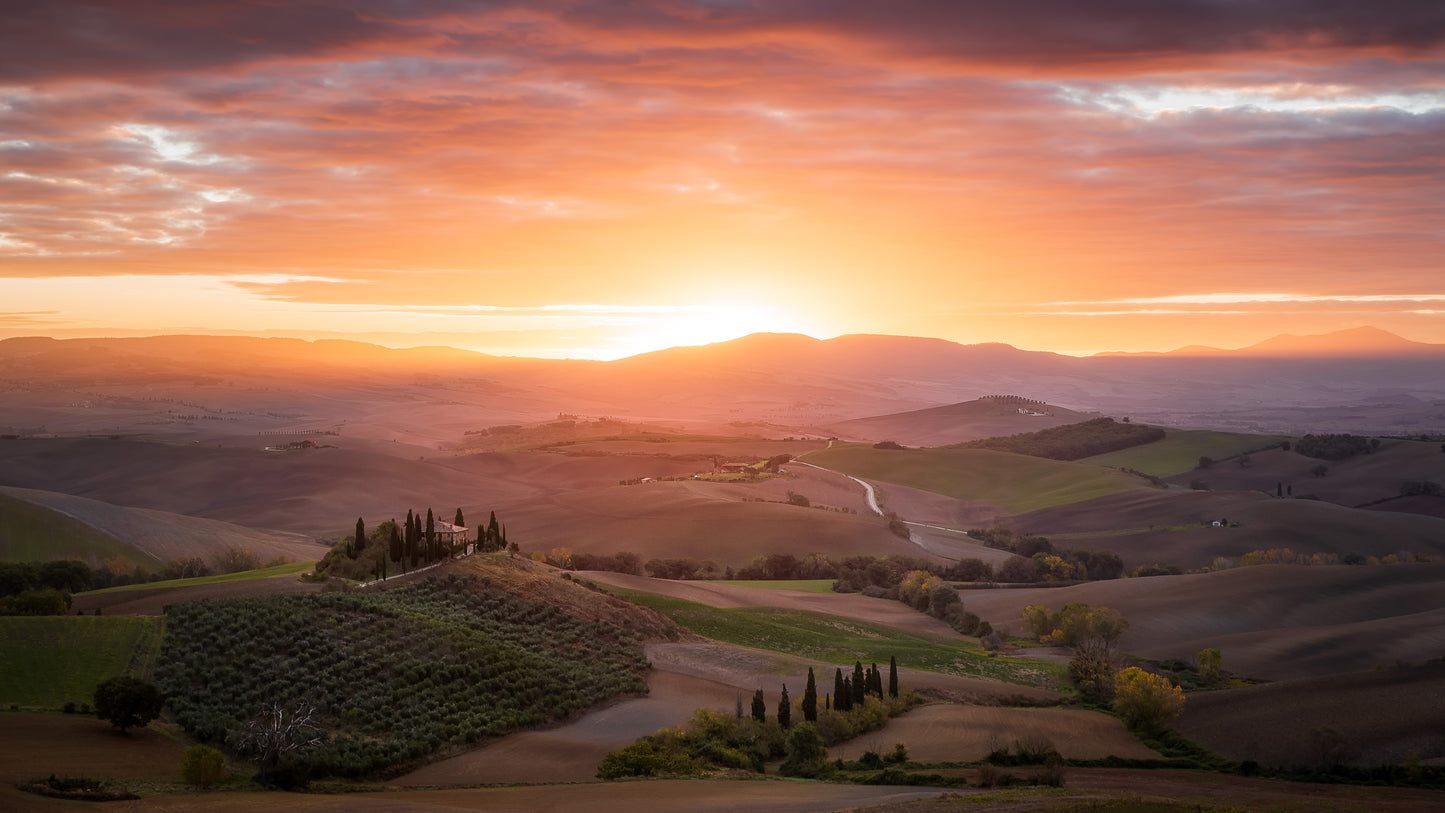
<point x="417" y="542"/>
<point x="847" y="693"/>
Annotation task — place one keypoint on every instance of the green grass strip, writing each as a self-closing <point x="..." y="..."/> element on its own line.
<point x="801" y="585"/>
<point x="51" y="660"/>
<point x="288" y="569"/>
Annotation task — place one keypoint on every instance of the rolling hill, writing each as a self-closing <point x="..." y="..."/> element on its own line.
<point x="956" y="423"/>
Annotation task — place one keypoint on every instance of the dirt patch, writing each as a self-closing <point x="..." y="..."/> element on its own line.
<point x="38" y="745"/>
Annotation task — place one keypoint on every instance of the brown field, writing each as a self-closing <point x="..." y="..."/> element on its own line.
<point x="1184" y="790"/>
<point x="1383" y="716"/>
<point x="1169" y="527"/>
<point x="951" y="733"/>
<point x="34" y="746"/>
<point x="1273" y="622"/>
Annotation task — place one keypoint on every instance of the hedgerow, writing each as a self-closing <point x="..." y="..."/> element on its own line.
<point x="395" y="675"/>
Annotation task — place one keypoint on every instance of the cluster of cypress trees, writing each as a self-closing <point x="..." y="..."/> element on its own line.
<point x="417" y="541"/>
<point x="847" y="693"/>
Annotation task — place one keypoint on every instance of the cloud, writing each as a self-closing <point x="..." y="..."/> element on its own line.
<point x="903" y="156"/>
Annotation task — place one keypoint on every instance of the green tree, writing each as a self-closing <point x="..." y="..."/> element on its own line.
<point x="1211" y="665"/>
<point x="810" y="699"/>
<point x="203" y="765"/>
<point x="760" y="707"/>
<point x="807" y="755"/>
<point x="859" y="684"/>
<point x="785" y="709"/>
<point x="127" y="701"/>
<point x="842" y="694"/>
<point x="892" y="676"/>
<point x="1146" y="701"/>
<point x="875" y="681"/>
<point x="359" y="543"/>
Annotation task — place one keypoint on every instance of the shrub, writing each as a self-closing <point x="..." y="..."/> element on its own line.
<point x="127" y="701"/>
<point x="203" y="765"/>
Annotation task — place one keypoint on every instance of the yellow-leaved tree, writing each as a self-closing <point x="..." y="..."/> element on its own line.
<point x="1145" y="700"/>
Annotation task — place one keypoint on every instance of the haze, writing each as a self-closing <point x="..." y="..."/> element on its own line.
<point x="593" y="180"/>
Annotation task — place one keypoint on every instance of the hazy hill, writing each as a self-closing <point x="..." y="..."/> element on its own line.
<point x="783" y="379"/>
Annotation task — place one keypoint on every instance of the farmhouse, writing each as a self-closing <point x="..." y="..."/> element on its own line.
<point x="449" y="534"/>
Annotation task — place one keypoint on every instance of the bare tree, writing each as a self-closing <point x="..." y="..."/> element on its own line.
<point x="277" y="732"/>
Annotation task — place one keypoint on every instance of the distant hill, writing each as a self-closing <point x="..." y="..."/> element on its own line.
<point x="955" y="423"/>
<point x="1073" y="441"/>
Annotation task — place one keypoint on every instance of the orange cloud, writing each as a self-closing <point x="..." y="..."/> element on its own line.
<point x="948" y="168"/>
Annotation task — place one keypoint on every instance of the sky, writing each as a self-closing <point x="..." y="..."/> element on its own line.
<point x="597" y="179"/>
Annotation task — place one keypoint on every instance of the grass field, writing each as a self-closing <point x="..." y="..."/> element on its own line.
<point x="1018" y="483"/>
<point x="801" y="585"/>
<point x="33" y="533"/>
<point x="1181" y="449"/>
<point x="49" y="661"/>
<point x="288" y="569"/>
<point x="842" y="641"/>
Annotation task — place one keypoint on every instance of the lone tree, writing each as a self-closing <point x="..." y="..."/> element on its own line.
<point x="810" y="699"/>
<point x="1145" y="700"/>
<point x="892" y="676"/>
<point x="128" y="701"/>
<point x="1211" y="664"/>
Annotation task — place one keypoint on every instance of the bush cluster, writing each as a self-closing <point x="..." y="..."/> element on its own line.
<point x="396" y="674"/>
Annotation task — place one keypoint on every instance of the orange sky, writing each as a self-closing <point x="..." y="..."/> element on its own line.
<point x="598" y="179"/>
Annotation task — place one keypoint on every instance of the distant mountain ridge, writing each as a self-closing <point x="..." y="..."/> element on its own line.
<point x="779" y="380"/>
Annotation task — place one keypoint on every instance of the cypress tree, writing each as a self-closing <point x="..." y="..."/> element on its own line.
<point x="760" y="707"/>
<point x="892" y="676"/>
<point x="494" y="533"/>
<point x="827" y="702"/>
<point x="360" y="543"/>
<point x="810" y="699"/>
<point x="875" y="681"/>
<point x="413" y="555"/>
<point x="394" y="546"/>
<point x="840" y="691"/>
<point x="859" y="686"/>
<point x="785" y="709"/>
<point x="431" y="537"/>
<point x="460" y="522"/>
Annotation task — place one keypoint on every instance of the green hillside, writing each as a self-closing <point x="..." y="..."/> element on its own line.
<point x="48" y="661"/>
<point x="33" y="533"/>
<point x="1016" y="482"/>
<point x="1181" y="449"/>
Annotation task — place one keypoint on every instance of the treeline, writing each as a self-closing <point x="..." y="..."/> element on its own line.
<point x="1285" y="556"/>
<point x="45" y="588"/>
<point x="802" y="730"/>
<point x="1044" y="562"/>
<point x="403" y="548"/>
<point x="1335" y="447"/>
<point x="1073" y="441"/>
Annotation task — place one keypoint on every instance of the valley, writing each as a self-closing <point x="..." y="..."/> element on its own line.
<point x="743" y="467"/>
